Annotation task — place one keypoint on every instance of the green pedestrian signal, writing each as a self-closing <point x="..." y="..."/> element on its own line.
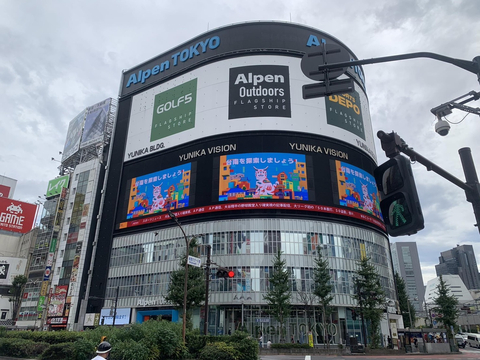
<point x="399" y="203"/>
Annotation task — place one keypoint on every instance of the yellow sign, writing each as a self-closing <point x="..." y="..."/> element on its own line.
<point x="44" y="288"/>
<point x="310" y="340"/>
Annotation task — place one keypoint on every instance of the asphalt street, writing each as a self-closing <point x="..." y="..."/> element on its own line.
<point x="465" y="354"/>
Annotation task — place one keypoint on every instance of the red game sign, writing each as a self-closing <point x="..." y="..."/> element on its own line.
<point x="16" y="216"/>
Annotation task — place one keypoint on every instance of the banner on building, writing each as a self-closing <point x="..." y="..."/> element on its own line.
<point x="16" y="216"/>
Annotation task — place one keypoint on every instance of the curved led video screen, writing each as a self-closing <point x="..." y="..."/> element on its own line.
<point x="257" y="172"/>
<point x="247" y="177"/>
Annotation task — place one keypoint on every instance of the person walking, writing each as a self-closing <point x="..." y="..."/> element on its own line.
<point x="103" y="351"/>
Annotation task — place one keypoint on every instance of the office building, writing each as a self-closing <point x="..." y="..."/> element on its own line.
<point x="407" y="264"/>
<point x="221" y="131"/>
<point x="460" y="261"/>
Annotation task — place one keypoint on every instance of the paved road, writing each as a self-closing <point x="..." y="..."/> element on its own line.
<point x="467" y="354"/>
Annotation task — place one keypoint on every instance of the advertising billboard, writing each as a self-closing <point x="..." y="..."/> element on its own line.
<point x="357" y="189"/>
<point x="256" y="171"/>
<point x="263" y="176"/>
<point x="122" y="317"/>
<point x="7" y="186"/>
<point x="16" y="216"/>
<point x="57" y="301"/>
<point x="146" y="194"/>
<point x="11" y="267"/>
<point x="95" y="120"/>
<point x="55" y="186"/>
<point x="243" y="94"/>
<point x="74" y="135"/>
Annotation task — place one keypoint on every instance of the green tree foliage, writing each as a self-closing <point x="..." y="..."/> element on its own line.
<point x="446" y="306"/>
<point x="406" y="307"/>
<point x="370" y="297"/>
<point x="323" y="289"/>
<point x="279" y="294"/>
<point x="16" y="292"/>
<point x="195" y="285"/>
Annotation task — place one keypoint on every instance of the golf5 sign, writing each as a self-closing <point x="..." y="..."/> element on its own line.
<point x="174" y="110"/>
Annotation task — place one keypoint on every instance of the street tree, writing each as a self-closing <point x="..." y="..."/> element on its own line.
<point x="278" y="296"/>
<point x="406" y="307"/>
<point x="16" y="293"/>
<point x="446" y="307"/>
<point x="195" y="285"/>
<point x="323" y="290"/>
<point x="370" y="297"/>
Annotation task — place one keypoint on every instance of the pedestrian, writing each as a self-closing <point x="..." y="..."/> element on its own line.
<point x="260" y="340"/>
<point x="292" y="340"/>
<point x="103" y="351"/>
<point x="269" y="344"/>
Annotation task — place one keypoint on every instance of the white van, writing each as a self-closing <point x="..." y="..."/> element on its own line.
<point x="473" y="340"/>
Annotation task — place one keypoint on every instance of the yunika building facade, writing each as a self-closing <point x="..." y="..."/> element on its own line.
<point x="218" y="130"/>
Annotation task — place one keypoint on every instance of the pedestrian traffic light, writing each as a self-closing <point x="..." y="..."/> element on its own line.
<point x="400" y="205"/>
<point x="225" y="273"/>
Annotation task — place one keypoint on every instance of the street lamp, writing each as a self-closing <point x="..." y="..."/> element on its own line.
<point x="187" y="243"/>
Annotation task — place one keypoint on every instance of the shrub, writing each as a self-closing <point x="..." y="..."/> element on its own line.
<point x="247" y="349"/>
<point x="59" y="351"/>
<point x="218" y="351"/>
<point x="21" y="347"/>
<point x="130" y="349"/>
<point x="195" y="342"/>
<point x="51" y="337"/>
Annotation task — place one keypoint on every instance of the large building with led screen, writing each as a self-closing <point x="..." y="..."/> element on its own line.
<point x="217" y="130"/>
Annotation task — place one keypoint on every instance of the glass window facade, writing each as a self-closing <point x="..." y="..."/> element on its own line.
<point x="140" y="264"/>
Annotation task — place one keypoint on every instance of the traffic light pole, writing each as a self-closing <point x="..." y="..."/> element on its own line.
<point x="393" y="145"/>
<point x="207" y="285"/>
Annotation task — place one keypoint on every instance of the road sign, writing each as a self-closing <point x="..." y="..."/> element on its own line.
<point x="194" y="261"/>
<point x="327" y="88"/>
<point x="326" y="54"/>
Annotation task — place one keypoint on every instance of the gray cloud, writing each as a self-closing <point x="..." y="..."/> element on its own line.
<point x="58" y="58"/>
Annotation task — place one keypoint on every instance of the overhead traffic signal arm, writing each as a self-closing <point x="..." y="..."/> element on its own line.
<point x="397" y="186"/>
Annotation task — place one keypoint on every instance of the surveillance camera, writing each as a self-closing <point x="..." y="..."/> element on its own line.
<point x="442" y="127"/>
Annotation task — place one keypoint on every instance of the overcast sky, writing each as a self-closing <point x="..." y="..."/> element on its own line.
<point x="58" y="57"/>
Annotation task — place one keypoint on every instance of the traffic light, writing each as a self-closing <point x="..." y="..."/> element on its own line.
<point x="225" y="273"/>
<point x="400" y="205"/>
<point x="354" y="315"/>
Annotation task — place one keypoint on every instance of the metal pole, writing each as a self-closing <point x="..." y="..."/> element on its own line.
<point x="409" y="314"/>
<point x="242" y="314"/>
<point x="360" y="297"/>
<point x="185" y="281"/>
<point x="207" y="285"/>
<point x="115" y="309"/>
<point x="470" y="172"/>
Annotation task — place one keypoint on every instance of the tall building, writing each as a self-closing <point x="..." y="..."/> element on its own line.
<point x="63" y="250"/>
<point x="219" y="131"/>
<point x="407" y="264"/>
<point x="460" y="261"/>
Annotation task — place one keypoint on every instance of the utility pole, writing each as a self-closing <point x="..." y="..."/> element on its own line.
<point x="115" y="309"/>
<point x="207" y="285"/>
<point x="360" y="297"/>
<point x="185" y="282"/>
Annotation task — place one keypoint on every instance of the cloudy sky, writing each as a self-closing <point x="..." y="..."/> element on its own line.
<point x="58" y="57"/>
